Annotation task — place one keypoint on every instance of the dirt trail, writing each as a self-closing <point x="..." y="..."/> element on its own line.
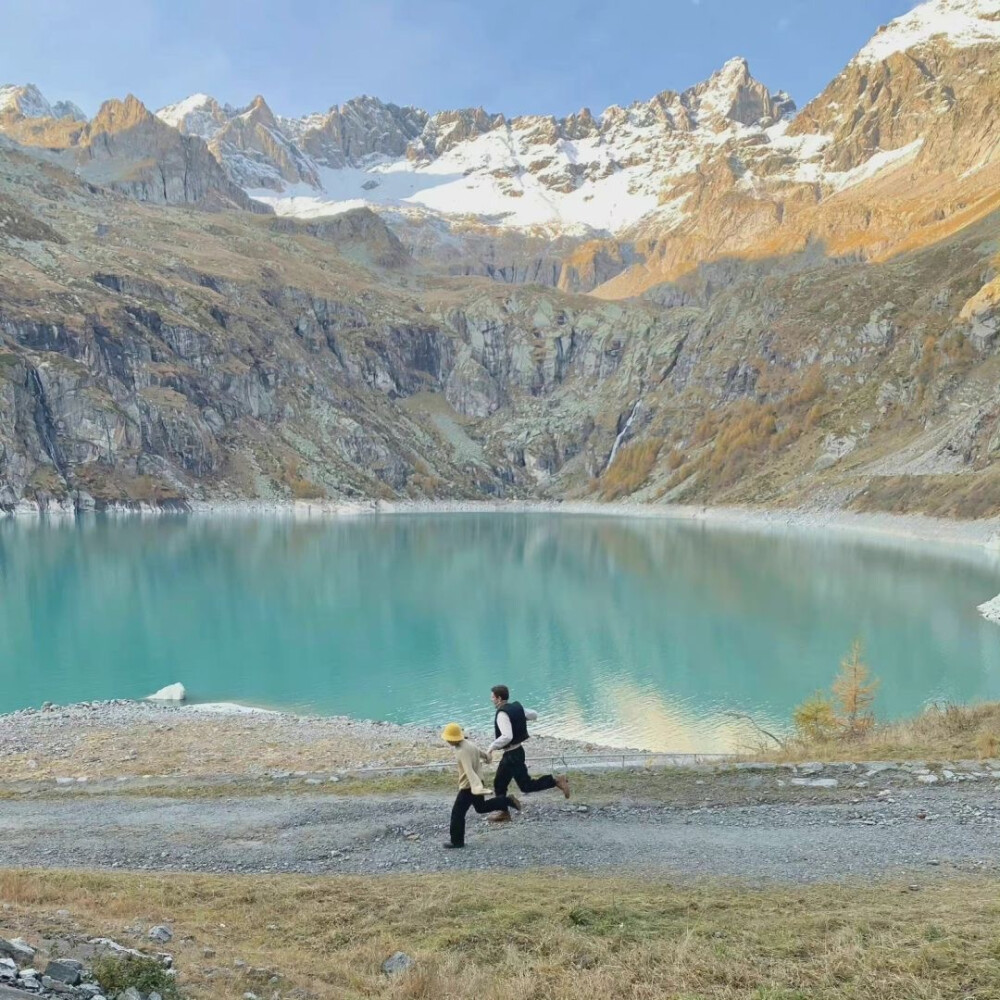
<point x="933" y="829"/>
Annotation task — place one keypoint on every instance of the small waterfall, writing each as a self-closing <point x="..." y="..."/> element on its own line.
<point x="622" y="433"/>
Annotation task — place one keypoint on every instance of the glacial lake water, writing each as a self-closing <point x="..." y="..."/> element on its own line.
<point x="636" y="632"/>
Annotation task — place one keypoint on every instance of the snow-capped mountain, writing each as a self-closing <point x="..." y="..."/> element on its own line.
<point x="28" y="102"/>
<point x="641" y="166"/>
<point x="248" y="142"/>
<point x="123" y="147"/>
<point x="902" y="138"/>
<point x="603" y="173"/>
<point x="959" y="23"/>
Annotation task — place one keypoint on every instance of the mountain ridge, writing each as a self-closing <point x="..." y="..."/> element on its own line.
<point x="635" y="196"/>
<point x="599" y="175"/>
<point x="808" y="313"/>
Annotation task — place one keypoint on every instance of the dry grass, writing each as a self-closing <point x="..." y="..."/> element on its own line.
<point x="46" y="480"/>
<point x="630" y="469"/>
<point x="967" y="496"/>
<point x="212" y="745"/>
<point x="739" y="436"/>
<point x="298" y="485"/>
<point x="559" y="938"/>
<point x="679" y="786"/>
<point x="949" y="732"/>
<point x="732" y="443"/>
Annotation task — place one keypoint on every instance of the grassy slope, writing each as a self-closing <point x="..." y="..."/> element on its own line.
<point x="546" y="935"/>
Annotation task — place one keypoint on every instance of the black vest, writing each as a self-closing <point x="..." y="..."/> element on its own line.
<point x="518" y="723"/>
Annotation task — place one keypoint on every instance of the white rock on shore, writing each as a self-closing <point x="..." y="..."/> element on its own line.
<point x="990" y="609"/>
<point x="172" y="692"/>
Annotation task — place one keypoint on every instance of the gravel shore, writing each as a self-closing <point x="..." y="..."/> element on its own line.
<point x="100" y="740"/>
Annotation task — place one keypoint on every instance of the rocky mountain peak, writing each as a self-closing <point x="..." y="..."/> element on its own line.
<point x="731" y="94"/>
<point x="125" y="147"/>
<point x="198" y="114"/>
<point x="67" y="109"/>
<point x="257" y="152"/>
<point x="258" y="111"/>
<point x="349" y="134"/>
<point x="924" y="84"/>
<point x="27" y="101"/>
<point x="120" y="116"/>
<point x="580" y="125"/>
<point x="447" y="129"/>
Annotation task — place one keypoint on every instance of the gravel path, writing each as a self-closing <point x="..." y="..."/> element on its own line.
<point x="920" y="830"/>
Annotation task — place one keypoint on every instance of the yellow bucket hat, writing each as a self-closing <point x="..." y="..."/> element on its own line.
<point x="452" y="733"/>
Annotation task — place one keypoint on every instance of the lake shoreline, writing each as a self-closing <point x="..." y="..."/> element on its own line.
<point x="117" y="739"/>
<point x="984" y="533"/>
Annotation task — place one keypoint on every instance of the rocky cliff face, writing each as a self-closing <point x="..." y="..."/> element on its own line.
<point x="279" y="360"/>
<point x="127" y="148"/>
<point x="284" y="360"/>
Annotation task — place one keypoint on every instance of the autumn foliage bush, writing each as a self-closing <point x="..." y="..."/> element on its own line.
<point x="846" y="712"/>
<point x="631" y="468"/>
<point x="739" y="436"/>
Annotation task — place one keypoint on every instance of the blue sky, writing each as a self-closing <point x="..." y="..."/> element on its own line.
<point x="304" y="55"/>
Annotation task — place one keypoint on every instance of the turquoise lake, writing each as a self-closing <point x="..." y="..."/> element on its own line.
<point x="636" y="632"/>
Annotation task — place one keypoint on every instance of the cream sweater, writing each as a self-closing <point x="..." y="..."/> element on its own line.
<point x="470" y="767"/>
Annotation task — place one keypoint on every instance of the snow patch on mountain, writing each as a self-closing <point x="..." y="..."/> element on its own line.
<point x="523" y="202"/>
<point x="875" y="164"/>
<point x="198" y="115"/>
<point x="598" y="172"/>
<point x="506" y="178"/>
<point x="961" y="22"/>
<point x="804" y="151"/>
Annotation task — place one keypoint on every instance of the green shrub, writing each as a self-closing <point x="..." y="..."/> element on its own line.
<point x="116" y="973"/>
<point x="815" y="719"/>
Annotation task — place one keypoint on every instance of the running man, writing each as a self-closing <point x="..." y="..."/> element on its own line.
<point x="510" y="727"/>
<point x="471" y="790"/>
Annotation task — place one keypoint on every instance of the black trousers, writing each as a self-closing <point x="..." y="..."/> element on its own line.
<point x="513" y="768"/>
<point x="478" y="802"/>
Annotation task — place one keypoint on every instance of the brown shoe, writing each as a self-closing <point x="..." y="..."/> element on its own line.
<point x="498" y="817"/>
<point x="515" y="802"/>
<point x="562" y="783"/>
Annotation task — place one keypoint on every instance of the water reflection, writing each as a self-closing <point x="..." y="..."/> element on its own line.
<point x="648" y="719"/>
<point x="633" y="632"/>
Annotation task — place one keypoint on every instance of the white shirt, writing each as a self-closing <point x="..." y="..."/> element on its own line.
<point x="507" y="730"/>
